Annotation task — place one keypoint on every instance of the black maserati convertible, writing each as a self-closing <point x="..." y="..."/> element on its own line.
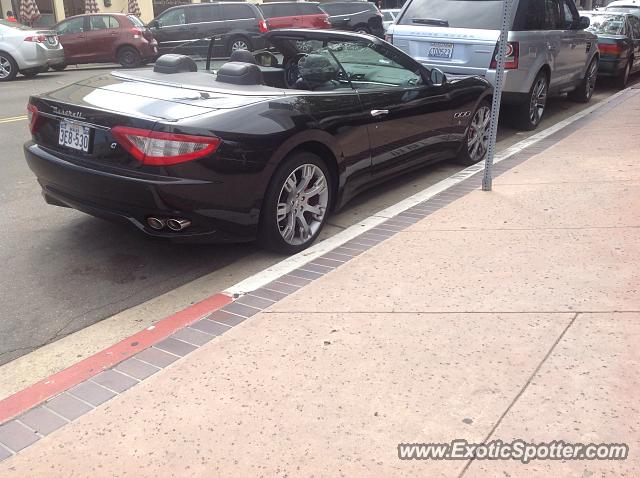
<point x="265" y="147"/>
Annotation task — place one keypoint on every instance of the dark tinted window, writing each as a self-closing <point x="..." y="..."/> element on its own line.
<point x="571" y="17"/>
<point x="484" y="14"/>
<point x="335" y="9"/>
<point x="530" y="16"/>
<point x="309" y="9"/>
<point x="135" y="20"/>
<point x="75" y="25"/>
<point x="204" y="13"/>
<point x="635" y="27"/>
<point x="554" y="15"/>
<point x="173" y="17"/>
<point x="236" y="12"/>
<point x="279" y="10"/>
<point x="347" y="8"/>
<point x="103" y="22"/>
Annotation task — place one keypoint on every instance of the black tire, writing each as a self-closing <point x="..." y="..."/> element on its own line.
<point x="584" y="91"/>
<point x="8" y="67"/>
<point x="623" y="79"/>
<point x="60" y="67"/>
<point x="129" y="57"/>
<point x="467" y="154"/>
<point x="236" y="41"/>
<point x="527" y="116"/>
<point x="270" y="235"/>
<point x="31" y="73"/>
<point x="362" y="29"/>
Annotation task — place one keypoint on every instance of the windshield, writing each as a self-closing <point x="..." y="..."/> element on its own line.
<point x="483" y="14"/>
<point x="606" y="23"/>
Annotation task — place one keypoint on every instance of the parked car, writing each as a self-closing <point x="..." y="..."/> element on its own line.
<point x="255" y="151"/>
<point x="106" y="38"/>
<point x="358" y="16"/>
<point x="239" y="25"/>
<point x="27" y="51"/>
<point x="294" y="15"/>
<point x="624" y="6"/>
<point x="549" y="52"/>
<point x="618" y="43"/>
<point x="388" y="17"/>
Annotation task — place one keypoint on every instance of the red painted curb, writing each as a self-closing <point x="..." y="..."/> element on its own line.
<point x="107" y="358"/>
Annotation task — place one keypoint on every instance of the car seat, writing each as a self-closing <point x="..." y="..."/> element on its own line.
<point x="317" y="73"/>
<point x="243" y="56"/>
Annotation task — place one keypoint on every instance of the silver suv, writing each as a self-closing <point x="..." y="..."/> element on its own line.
<point x="549" y="52"/>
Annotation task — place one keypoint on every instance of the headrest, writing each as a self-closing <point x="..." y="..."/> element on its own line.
<point x="317" y="68"/>
<point x="240" y="74"/>
<point x="243" y="56"/>
<point x="171" y="63"/>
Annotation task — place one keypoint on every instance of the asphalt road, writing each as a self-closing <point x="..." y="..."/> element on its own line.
<point x="63" y="270"/>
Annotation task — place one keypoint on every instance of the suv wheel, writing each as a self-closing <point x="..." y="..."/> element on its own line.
<point x="529" y="114"/>
<point x="8" y="67"/>
<point x="129" y="57"/>
<point x="296" y="205"/>
<point x="362" y="29"/>
<point x="239" y="43"/>
<point x="584" y="91"/>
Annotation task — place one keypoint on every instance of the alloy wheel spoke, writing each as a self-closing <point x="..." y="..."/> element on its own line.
<point x="291" y="184"/>
<point x="319" y="187"/>
<point x="283" y="209"/>
<point x="305" y="230"/>
<point x="290" y="229"/>
<point x="308" y="172"/>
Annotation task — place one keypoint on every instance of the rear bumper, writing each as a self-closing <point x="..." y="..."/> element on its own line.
<point x="39" y="56"/>
<point x="132" y="199"/>
<point x="611" y="66"/>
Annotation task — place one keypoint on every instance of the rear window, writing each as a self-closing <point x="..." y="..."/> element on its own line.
<point x="348" y="8"/>
<point x="606" y="24"/>
<point x="135" y="20"/>
<point x="482" y="14"/>
<point x="309" y="9"/>
<point x="279" y="10"/>
<point x="236" y="12"/>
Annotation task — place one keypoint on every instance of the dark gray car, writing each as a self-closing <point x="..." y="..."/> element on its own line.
<point x="238" y="25"/>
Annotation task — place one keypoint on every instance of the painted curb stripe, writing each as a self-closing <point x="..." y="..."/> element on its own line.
<point x="12" y="119"/>
<point x="107" y="358"/>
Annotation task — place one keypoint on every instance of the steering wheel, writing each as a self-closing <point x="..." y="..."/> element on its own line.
<point x="292" y="70"/>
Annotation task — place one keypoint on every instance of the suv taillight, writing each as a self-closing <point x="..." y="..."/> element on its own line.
<point x="511" y="58"/>
<point x="262" y="25"/>
<point x="137" y="33"/>
<point x="156" y="148"/>
<point x="33" y="115"/>
<point x="612" y="49"/>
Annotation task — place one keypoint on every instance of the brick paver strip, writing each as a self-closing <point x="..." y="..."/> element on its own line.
<point x="67" y="406"/>
<point x="239" y="309"/>
<point x="4" y="453"/>
<point x="91" y="393"/>
<point x="42" y="420"/>
<point x="176" y="347"/>
<point x="210" y="327"/>
<point x="114" y="380"/>
<point x="16" y="436"/>
<point x="226" y="318"/>
<point x="192" y="336"/>
<point x="156" y="357"/>
<point x="136" y="368"/>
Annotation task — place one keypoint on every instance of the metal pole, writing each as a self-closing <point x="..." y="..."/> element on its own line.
<point x="497" y="93"/>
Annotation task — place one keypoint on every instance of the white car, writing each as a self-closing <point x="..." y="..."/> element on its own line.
<point x="27" y="51"/>
<point x="388" y="17"/>
<point x="624" y="6"/>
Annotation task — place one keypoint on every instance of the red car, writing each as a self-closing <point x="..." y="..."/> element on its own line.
<point x="106" y="38"/>
<point x="294" y="15"/>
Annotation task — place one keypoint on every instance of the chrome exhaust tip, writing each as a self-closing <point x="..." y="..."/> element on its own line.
<point x="155" y="223"/>
<point x="178" y="224"/>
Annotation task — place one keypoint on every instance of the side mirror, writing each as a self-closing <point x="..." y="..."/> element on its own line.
<point x="437" y="77"/>
<point x="153" y="24"/>
<point x="584" y="23"/>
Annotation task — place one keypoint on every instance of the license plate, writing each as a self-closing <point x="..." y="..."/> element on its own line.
<point x="440" y="50"/>
<point x="51" y="40"/>
<point x="73" y="135"/>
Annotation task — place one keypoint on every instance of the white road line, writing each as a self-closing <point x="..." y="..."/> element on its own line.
<point x="293" y="262"/>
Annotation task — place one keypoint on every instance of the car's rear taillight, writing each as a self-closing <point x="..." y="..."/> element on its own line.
<point x="34" y="116"/>
<point x="610" y="49"/>
<point x="36" y="39"/>
<point x="156" y="148"/>
<point x="137" y="33"/>
<point x="511" y="58"/>
<point x="262" y="25"/>
<point x="388" y="38"/>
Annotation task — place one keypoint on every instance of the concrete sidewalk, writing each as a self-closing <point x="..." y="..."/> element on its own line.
<point x="502" y="315"/>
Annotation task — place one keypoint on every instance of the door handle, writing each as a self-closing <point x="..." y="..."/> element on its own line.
<point x="376" y="113"/>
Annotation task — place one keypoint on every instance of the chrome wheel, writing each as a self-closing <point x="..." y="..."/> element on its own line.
<point x="5" y="67"/>
<point x="302" y="204"/>
<point x="478" y="137"/>
<point x="592" y="75"/>
<point x="239" y="45"/>
<point x="538" y="100"/>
